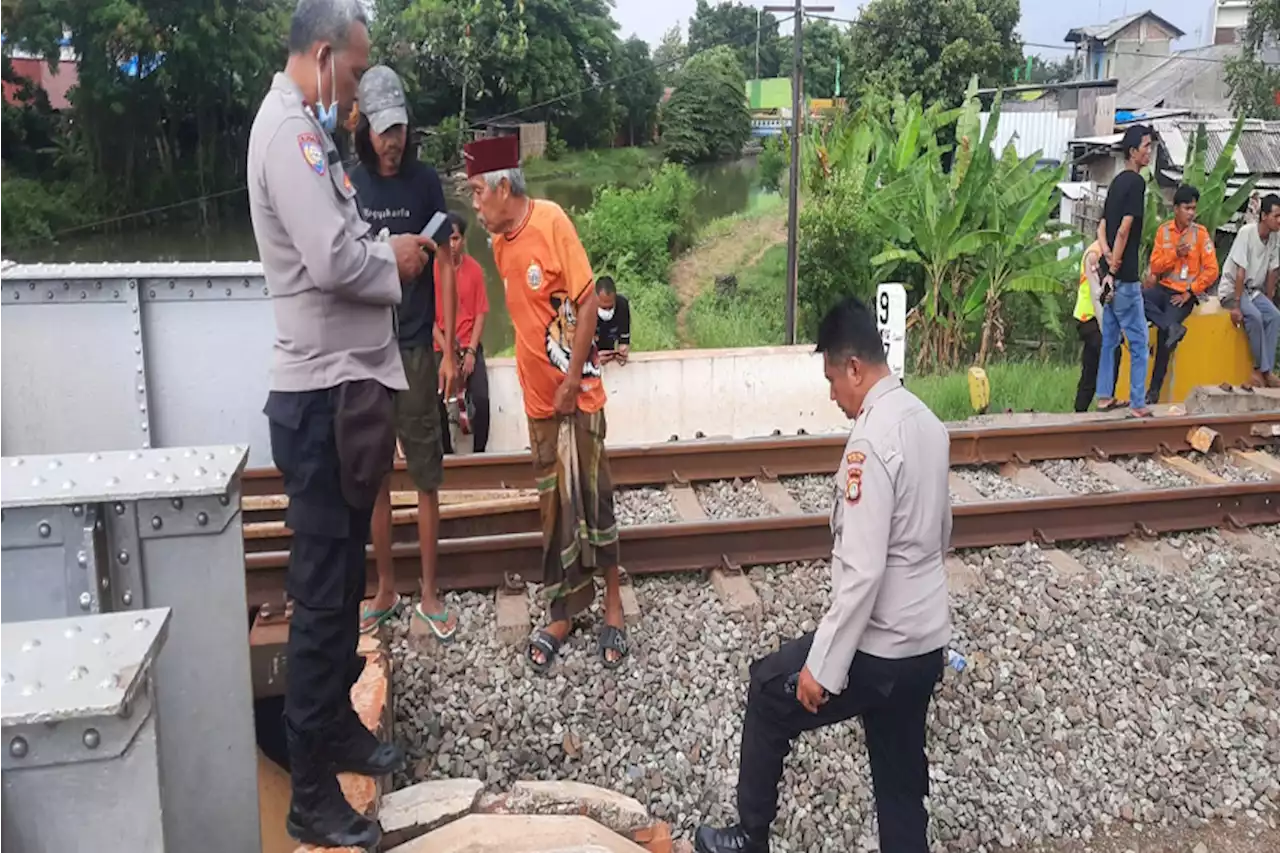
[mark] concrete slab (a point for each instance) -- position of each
(964, 492)
(1251, 544)
(618, 812)
(1208, 399)
(521, 834)
(686, 503)
(961, 577)
(1116, 476)
(1194, 470)
(1067, 566)
(513, 624)
(736, 592)
(1031, 478)
(777, 494)
(1160, 556)
(418, 809)
(1259, 461)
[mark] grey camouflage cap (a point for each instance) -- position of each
(381, 96)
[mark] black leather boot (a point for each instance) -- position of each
(732, 839)
(318, 813)
(355, 749)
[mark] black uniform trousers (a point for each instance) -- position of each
(326, 575)
(478, 397)
(892, 698)
(1091, 337)
(1164, 315)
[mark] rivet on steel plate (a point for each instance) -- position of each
(144, 426)
(14, 463)
(156, 522)
(95, 457)
(142, 407)
(92, 738)
(113, 481)
(100, 525)
(132, 285)
(135, 310)
(119, 508)
(127, 598)
(224, 500)
(152, 293)
(200, 472)
(82, 557)
(44, 530)
(146, 443)
(153, 475)
(77, 510)
(86, 601)
(31, 689)
(68, 485)
(31, 645)
(176, 503)
(101, 639)
(115, 294)
(77, 673)
(72, 632)
(18, 747)
(228, 291)
(55, 464)
(37, 481)
(134, 456)
(137, 350)
(202, 518)
(111, 682)
(49, 295)
(135, 330)
(171, 479)
(123, 557)
(83, 294)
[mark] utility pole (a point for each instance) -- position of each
(757, 44)
(793, 191)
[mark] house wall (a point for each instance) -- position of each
(1136, 50)
(56, 84)
(1226, 17)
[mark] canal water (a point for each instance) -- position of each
(724, 189)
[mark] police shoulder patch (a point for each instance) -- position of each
(853, 476)
(856, 457)
(312, 152)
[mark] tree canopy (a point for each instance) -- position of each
(735, 26)
(1254, 83)
(826, 50)
(707, 117)
(933, 47)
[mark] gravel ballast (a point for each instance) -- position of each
(1155, 474)
(1074, 476)
(1123, 694)
(1227, 469)
(991, 485)
(643, 506)
(726, 499)
(813, 492)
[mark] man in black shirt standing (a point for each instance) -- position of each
(613, 326)
(399, 194)
(1119, 235)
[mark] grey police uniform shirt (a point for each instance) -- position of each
(334, 288)
(891, 525)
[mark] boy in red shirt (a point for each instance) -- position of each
(473, 307)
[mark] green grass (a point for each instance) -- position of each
(760, 204)
(753, 317)
(1020, 386)
(598, 166)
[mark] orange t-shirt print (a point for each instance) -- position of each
(545, 272)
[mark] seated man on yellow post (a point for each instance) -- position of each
(1183, 265)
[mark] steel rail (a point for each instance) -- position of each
(715, 459)
(483, 562)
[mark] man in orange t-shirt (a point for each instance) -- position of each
(552, 302)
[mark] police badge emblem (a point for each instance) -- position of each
(534, 276)
(312, 152)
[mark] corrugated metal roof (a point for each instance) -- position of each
(1103, 32)
(1257, 152)
(1176, 80)
(1046, 132)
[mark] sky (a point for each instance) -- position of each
(1043, 21)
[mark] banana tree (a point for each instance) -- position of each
(1026, 258)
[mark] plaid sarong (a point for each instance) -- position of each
(575, 493)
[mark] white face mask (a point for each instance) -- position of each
(605, 314)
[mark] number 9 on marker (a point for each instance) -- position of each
(891, 318)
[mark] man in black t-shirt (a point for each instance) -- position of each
(1119, 235)
(399, 194)
(613, 323)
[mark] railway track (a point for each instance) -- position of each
(487, 542)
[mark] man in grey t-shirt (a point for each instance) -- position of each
(1248, 288)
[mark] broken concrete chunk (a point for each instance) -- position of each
(521, 834)
(420, 808)
(618, 812)
(1203, 439)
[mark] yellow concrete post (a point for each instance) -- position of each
(1214, 351)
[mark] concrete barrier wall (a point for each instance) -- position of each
(122, 356)
(732, 393)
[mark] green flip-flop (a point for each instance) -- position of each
(380, 617)
(436, 622)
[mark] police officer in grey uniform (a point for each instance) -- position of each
(334, 290)
(879, 650)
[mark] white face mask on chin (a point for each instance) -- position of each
(605, 314)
